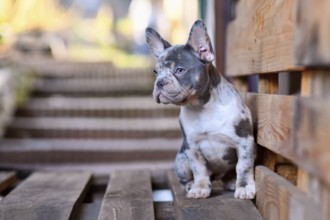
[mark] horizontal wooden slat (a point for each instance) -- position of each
(221, 205)
(128, 196)
(94, 128)
(68, 86)
(278, 199)
(260, 38)
(273, 119)
(311, 137)
(295, 128)
(7, 179)
(96, 168)
(50, 68)
(87, 151)
(97, 107)
(312, 33)
(45, 196)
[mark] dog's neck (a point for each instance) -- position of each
(217, 90)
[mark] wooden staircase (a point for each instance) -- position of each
(101, 121)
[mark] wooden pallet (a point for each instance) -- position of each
(286, 43)
(125, 195)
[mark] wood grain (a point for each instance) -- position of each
(7, 179)
(221, 205)
(260, 39)
(312, 33)
(128, 196)
(278, 199)
(45, 196)
(295, 128)
(311, 124)
(273, 118)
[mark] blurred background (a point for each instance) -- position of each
(92, 30)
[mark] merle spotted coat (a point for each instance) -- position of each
(216, 124)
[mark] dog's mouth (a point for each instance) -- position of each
(162, 97)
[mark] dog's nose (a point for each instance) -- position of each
(160, 84)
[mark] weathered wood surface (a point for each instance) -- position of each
(295, 128)
(128, 196)
(278, 199)
(164, 211)
(45, 196)
(312, 33)
(273, 119)
(260, 38)
(87, 150)
(66, 127)
(7, 179)
(123, 107)
(221, 205)
(312, 137)
(274, 36)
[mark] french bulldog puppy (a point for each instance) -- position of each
(216, 124)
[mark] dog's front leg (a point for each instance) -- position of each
(245, 185)
(201, 187)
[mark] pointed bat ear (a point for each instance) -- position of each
(156, 43)
(200, 42)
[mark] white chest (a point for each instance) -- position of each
(213, 122)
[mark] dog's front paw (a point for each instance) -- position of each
(247, 192)
(199, 190)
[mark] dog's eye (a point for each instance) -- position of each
(180, 70)
(155, 72)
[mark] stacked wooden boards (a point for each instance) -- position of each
(267, 38)
(124, 195)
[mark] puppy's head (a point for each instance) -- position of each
(181, 70)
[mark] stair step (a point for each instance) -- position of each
(97, 169)
(87, 151)
(65, 127)
(94, 87)
(124, 107)
(75, 69)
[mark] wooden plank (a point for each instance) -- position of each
(312, 33)
(45, 196)
(221, 205)
(87, 150)
(51, 69)
(128, 196)
(260, 39)
(66, 127)
(273, 119)
(315, 83)
(7, 179)
(295, 128)
(278, 199)
(164, 211)
(93, 85)
(123, 107)
(312, 137)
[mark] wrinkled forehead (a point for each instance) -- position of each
(177, 55)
